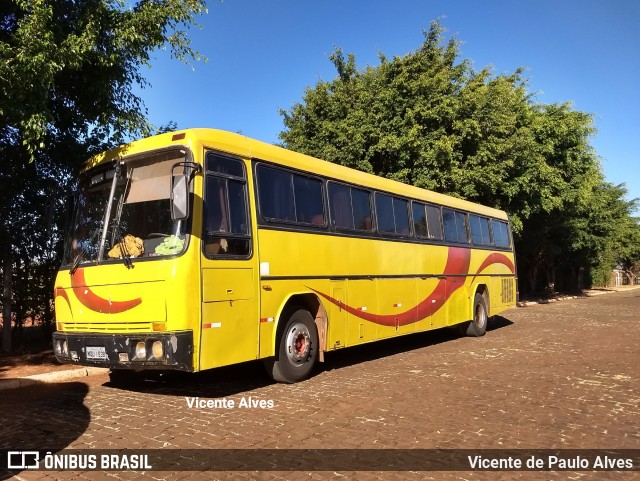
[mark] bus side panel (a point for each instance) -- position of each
(337, 316)
(495, 295)
(396, 300)
(361, 298)
(432, 297)
(459, 305)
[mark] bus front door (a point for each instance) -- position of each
(229, 314)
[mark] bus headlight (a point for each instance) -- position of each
(141, 350)
(58, 347)
(65, 349)
(157, 349)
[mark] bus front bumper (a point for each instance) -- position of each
(169, 350)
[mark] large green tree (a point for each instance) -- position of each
(431, 120)
(68, 74)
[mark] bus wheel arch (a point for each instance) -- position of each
(311, 303)
(477, 327)
(300, 339)
(483, 290)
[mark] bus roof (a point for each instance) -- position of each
(248, 148)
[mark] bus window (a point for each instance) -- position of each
(500, 233)
(384, 213)
(275, 194)
(226, 226)
(224, 165)
(401, 215)
(433, 221)
(288, 197)
(455, 229)
(340, 202)
(350, 208)
(360, 200)
(308, 197)
(479, 227)
(392, 214)
(419, 220)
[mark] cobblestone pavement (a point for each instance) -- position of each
(563, 375)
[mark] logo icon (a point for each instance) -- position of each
(23, 460)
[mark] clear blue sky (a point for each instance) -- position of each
(263, 53)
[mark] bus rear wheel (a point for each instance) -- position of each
(297, 348)
(478, 326)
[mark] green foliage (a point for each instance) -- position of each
(68, 70)
(71, 65)
(431, 120)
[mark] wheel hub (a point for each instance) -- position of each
(480, 317)
(298, 343)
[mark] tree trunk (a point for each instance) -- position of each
(7, 304)
(533, 278)
(581, 278)
(630, 275)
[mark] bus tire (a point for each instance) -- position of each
(478, 325)
(297, 348)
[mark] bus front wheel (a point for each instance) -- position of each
(297, 348)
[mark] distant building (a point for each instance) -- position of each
(620, 278)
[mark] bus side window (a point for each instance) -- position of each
(275, 190)
(479, 230)
(290, 198)
(308, 199)
(384, 213)
(433, 222)
(419, 219)
(500, 233)
(455, 229)
(341, 209)
(392, 214)
(350, 208)
(401, 216)
(226, 225)
(361, 204)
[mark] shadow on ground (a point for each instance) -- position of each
(498, 322)
(245, 377)
(42, 416)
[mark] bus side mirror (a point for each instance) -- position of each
(179, 197)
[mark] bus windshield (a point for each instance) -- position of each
(139, 223)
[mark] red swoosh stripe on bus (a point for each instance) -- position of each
(495, 258)
(90, 299)
(457, 261)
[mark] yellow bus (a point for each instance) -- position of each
(202, 248)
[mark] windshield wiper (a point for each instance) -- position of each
(117, 232)
(76, 262)
(126, 257)
(116, 222)
(107, 214)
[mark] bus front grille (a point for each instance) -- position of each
(107, 327)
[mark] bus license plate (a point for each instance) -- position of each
(97, 352)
